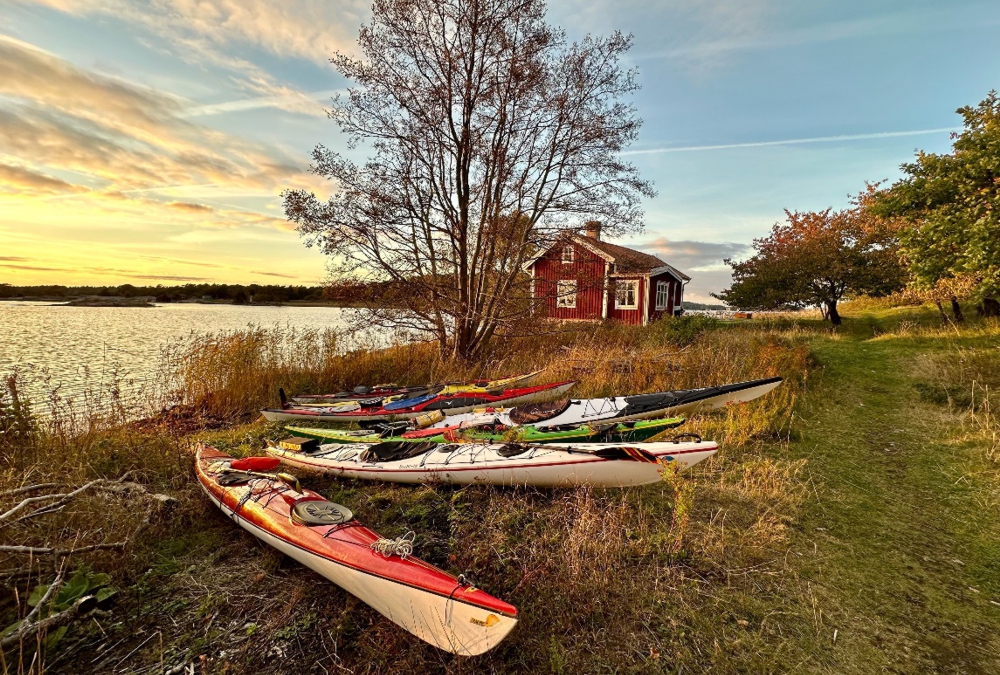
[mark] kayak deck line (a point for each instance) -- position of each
(596, 464)
(235, 516)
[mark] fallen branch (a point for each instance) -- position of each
(30, 488)
(81, 607)
(61, 499)
(37, 550)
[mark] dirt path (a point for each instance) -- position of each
(899, 554)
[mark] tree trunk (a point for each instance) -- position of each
(944, 317)
(991, 307)
(831, 306)
(956, 309)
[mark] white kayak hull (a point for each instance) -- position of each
(583, 411)
(444, 622)
(551, 465)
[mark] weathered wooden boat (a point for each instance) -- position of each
(552, 464)
(643, 406)
(636, 431)
(325, 537)
(408, 408)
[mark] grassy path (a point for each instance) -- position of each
(899, 555)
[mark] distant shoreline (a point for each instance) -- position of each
(122, 301)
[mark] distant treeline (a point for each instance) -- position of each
(235, 293)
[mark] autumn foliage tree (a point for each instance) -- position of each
(951, 207)
(488, 136)
(816, 259)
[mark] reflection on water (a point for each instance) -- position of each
(87, 347)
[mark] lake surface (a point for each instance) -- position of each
(81, 347)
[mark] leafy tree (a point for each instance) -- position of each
(489, 136)
(951, 205)
(815, 259)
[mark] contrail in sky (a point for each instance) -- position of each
(792, 141)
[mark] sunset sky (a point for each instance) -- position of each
(147, 142)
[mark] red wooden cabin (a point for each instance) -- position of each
(582, 278)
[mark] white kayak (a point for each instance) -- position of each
(552, 464)
(617, 408)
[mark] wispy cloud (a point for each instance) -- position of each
(725, 28)
(688, 255)
(305, 102)
(213, 32)
(793, 141)
(32, 268)
(122, 140)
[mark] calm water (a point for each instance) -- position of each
(81, 347)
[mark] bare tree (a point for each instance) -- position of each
(489, 136)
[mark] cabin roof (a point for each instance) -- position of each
(626, 260)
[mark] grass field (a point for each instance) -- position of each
(849, 524)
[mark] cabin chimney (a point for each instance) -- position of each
(593, 229)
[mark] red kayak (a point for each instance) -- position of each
(409, 408)
(428, 602)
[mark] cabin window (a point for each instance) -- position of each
(627, 294)
(567, 254)
(662, 294)
(566, 294)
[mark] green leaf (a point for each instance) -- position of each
(37, 594)
(98, 580)
(55, 636)
(73, 589)
(105, 592)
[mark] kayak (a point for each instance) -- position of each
(430, 603)
(459, 402)
(620, 408)
(632, 432)
(392, 390)
(554, 464)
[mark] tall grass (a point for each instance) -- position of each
(589, 569)
(967, 380)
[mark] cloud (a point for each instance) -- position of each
(13, 258)
(277, 274)
(126, 142)
(32, 268)
(163, 277)
(16, 179)
(294, 101)
(794, 141)
(292, 28)
(188, 206)
(716, 30)
(211, 32)
(690, 255)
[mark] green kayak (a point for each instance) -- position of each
(629, 432)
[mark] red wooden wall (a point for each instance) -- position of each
(588, 271)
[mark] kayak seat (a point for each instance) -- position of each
(394, 451)
(513, 450)
(537, 412)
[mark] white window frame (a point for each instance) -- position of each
(662, 290)
(621, 285)
(567, 259)
(566, 294)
